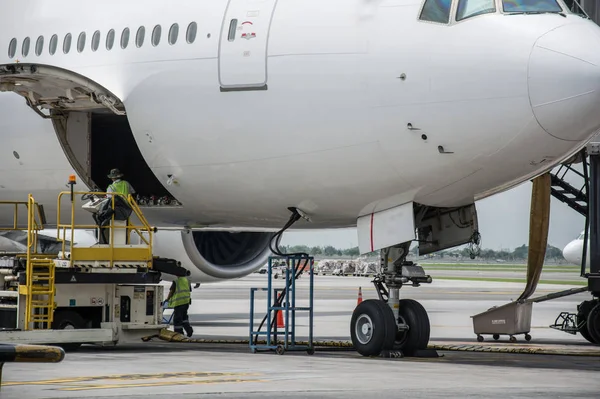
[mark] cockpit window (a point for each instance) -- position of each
(532, 6)
(471, 8)
(436, 11)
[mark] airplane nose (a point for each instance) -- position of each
(564, 81)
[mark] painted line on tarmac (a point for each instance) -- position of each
(525, 350)
(157, 384)
(590, 352)
(439, 346)
(125, 377)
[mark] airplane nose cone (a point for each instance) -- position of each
(564, 81)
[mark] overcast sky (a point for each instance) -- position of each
(503, 223)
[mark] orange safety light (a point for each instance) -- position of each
(72, 179)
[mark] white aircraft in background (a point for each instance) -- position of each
(573, 251)
(394, 116)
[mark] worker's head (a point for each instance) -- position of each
(115, 174)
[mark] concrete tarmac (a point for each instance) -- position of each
(223, 309)
(178, 370)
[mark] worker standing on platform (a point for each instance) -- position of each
(179, 299)
(118, 185)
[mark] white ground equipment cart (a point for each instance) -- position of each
(514, 318)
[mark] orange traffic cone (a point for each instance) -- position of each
(358, 302)
(280, 323)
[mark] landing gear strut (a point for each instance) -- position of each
(390, 323)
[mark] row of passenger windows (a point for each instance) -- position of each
(439, 10)
(140, 37)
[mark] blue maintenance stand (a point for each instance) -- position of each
(284, 300)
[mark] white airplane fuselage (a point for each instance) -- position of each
(340, 108)
(573, 251)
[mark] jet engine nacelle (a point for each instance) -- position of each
(214, 255)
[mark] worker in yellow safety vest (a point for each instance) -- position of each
(118, 185)
(179, 299)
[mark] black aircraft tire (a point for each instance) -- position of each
(593, 324)
(417, 337)
(372, 327)
(583, 310)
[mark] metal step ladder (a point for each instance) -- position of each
(40, 271)
(575, 198)
(40, 294)
(282, 307)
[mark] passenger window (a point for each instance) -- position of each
(12, 48)
(192, 30)
(436, 11)
(67, 43)
(173, 34)
(125, 38)
(110, 39)
(156, 34)
(25, 48)
(139, 38)
(96, 40)
(53, 44)
(471, 8)
(39, 46)
(81, 42)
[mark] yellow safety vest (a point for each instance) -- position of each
(182, 294)
(120, 186)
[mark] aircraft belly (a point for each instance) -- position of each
(333, 184)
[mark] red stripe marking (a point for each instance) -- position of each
(372, 246)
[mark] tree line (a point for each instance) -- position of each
(519, 253)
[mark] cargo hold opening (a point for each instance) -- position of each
(113, 146)
(98, 141)
(91, 125)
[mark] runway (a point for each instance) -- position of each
(179, 370)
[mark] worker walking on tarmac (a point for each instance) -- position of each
(180, 299)
(118, 185)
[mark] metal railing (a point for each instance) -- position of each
(24, 226)
(113, 253)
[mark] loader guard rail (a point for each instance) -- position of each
(39, 217)
(142, 231)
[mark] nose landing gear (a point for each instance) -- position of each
(389, 323)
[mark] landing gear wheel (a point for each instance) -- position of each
(496, 337)
(479, 338)
(65, 320)
(310, 351)
(372, 327)
(527, 337)
(583, 311)
(513, 339)
(280, 350)
(416, 338)
(593, 324)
